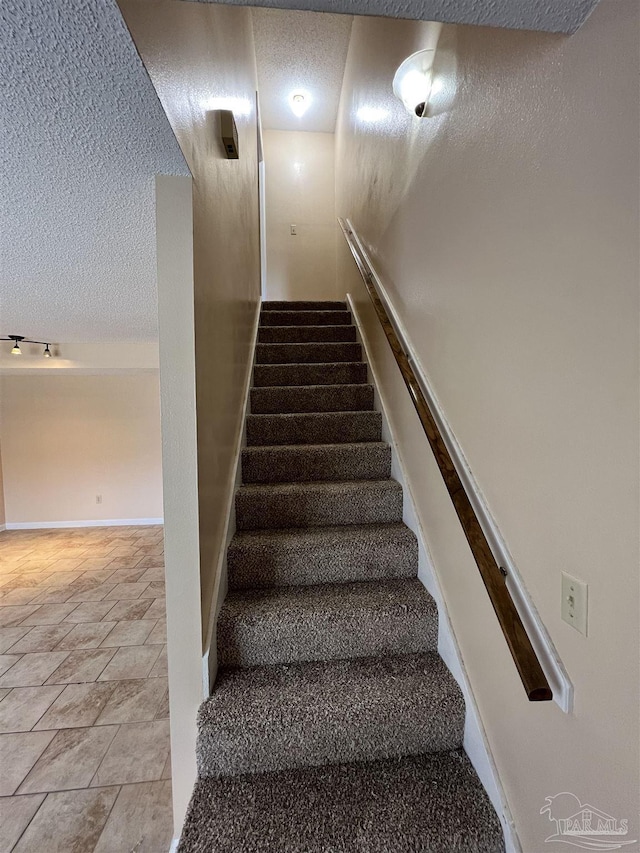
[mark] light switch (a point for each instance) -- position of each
(294, 230)
(574, 602)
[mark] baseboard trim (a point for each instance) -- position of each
(3, 527)
(100, 522)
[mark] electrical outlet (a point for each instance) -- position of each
(574, 602)
(294, 230)
(98, 499)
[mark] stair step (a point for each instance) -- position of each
(308, 353)
(327, 622)
(282, 505)
(314, 428)
(270, 558)
(431, 803)
(305, 318)
(303, 306)
(269, 718)
(291, 463)
(342, 373)
(312, 398)
(303, 334)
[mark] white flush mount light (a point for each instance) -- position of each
(413, 81)
(299, 103)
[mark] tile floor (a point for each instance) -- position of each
(84, 707)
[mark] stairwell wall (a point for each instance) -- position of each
(300, 191)
(201, 59)
(505, 230)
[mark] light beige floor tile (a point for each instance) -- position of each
(19, 595)
(133, 701)
(49, 614)
(4, 691)
(87, 635)
(53, 595)
(124, 611)
(152, 561)
(160, 666)
(93, 564)
(129, 662)
(140, 820)
(14, 614)
(78, 706)
(81, 665)
(163, 708)
(156, 574)
(15, 814)
(126, 575)
(137, 754)
(42, 638)
(123, 591)
(157, 610)
(166, 771)
(70, 760)
(18, 754)
(133, 633)
(62, 579)
(158, 635)
(154, 590)
(7, 661)
(89, 611)
(21, 709)
(68, 822)
(96, 593)
(32, 670)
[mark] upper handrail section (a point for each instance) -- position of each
(524, 656)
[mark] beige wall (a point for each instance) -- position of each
(66, 439)
(2, 508)
(300, 190)
(200, 58)
(506, 230)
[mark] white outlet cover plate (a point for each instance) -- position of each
(575, 599)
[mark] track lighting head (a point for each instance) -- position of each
(18, 339)
(47, 352)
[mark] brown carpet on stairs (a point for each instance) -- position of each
(334, 725)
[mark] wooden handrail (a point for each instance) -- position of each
(524, 656)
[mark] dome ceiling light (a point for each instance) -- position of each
(413, 82)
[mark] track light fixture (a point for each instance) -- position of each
(18, 339)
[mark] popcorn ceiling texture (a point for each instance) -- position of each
(83, 135)
(560, 17)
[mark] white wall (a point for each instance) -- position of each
(506, 231)
(300, 190)
(67, 438)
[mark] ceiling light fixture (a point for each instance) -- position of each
(299, 103)
(413, 81)
(18, 339)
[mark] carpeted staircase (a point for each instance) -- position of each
(334, 725)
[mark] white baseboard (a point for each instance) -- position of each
(100, 522)
(174, 845)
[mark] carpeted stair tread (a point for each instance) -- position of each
(307, 353)
(313, 555)
(291, 463)
(326, 622)
(341, 317)
(268, 718)
(346, 372)
(302, 334)
(420, 804)
(279, 505)
(313, 428)
(285, 399)
(305, 305)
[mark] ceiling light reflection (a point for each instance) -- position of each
(372, 114)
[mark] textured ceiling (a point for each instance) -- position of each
(300, 51)
(555, 16)
(82, 136)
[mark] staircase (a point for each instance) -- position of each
(334, 725)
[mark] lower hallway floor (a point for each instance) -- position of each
(84, 705)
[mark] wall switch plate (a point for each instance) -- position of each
(574, 602)
(98, 499)
(294, 230)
